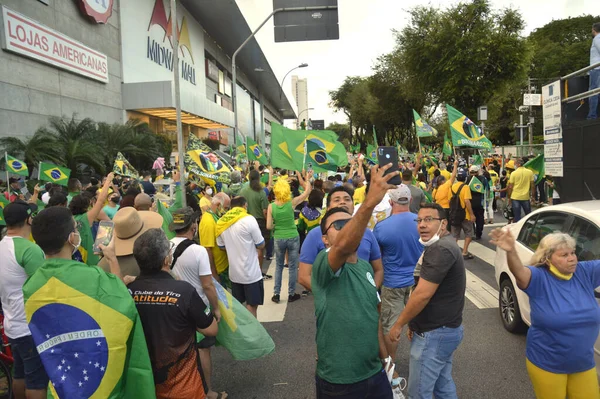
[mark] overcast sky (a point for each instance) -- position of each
(365, 34)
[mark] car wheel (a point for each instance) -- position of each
(509, 308)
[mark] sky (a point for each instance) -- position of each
(365, 34)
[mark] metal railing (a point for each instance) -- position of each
(583, 95)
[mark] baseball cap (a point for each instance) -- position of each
(182, 218)
(400, 195)
(18, 211)
(461, 174)
(474, 168)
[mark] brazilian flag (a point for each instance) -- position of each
(464, 132)
(322, 150)
(88, 333)
(371, 154)
(281, 156)
(423, 128)
(15, 166)
(255, 152)
(3, 203)
(241, 147)
(54, 174)
(537, 166)
(123, 167)
(476, 185)
(447, 146)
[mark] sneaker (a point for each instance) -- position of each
(305, 293)
(275, 298)
(292, 298)
(269, 258)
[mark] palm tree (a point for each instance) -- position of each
(32, 150)
(76, 142)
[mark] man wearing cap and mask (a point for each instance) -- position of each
(14, 189)
(20, 259)
(129, 225)
(191, 263)
(400, 251)
(434, 309)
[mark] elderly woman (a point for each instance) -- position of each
(280, 219)
(565, 317)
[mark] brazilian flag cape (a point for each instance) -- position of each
(88, 333)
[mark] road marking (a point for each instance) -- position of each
(271, 311)
(481, 251)
(480, 293)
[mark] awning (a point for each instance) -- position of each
(186, 117)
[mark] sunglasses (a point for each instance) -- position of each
(338, 225)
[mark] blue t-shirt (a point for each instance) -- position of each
(565, 319)
(398, 239)
(313, 244)
(110, 211)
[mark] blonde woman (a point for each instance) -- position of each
(565, 317)
(280, 219)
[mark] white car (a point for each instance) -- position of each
(581, 220)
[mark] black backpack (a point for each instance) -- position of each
(457, 212)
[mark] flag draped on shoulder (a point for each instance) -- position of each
(123, 167)
(538, 166)
(87, 332)
(16, 166)
(423, 128)
(464, 132)
(203, 162)
(255, 152)
(476, 185)
(54, 174)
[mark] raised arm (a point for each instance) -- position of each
(307, 188)
(95, 211)
(505, 240)
(454, 172)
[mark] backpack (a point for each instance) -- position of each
(181, 247)
(457, 212)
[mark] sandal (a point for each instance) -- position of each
(468, 255)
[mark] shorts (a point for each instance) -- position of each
(393, 301)
(262, 225)
(467, 227)
(253, 294)
(28, 364)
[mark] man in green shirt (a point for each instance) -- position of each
(346, 302)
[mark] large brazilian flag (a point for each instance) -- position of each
(87, 332)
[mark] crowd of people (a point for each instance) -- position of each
(377, 258)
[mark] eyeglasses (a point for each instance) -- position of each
(427, 219)
(338, 225)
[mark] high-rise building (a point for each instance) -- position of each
(300, 93)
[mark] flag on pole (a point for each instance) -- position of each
(255, 152)
(375, 143)
(464, 132)
(123, 167)
(54, 174)
(371, 154)
(202, 161)
(241, 147)
(15, 166)
(476, 185)
(447, 145)
(538, 166)
(281, 156)
(355, 148)
(477, 159)
(423, 128)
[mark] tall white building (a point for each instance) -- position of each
(300, 93)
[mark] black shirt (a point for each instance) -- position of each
(171, 311)
(148, 187)
(443, 265)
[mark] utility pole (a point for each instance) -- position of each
(175, 39)
(530, 124)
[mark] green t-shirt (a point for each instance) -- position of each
(283, 219)
(257, 202)
(347, 321)
(87, 240)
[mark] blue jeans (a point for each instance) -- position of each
(270, 246)
(517, 206)
(430, 368)
(376, 387)
(594, 84)
(292, 246)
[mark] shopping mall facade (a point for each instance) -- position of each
(112, 60)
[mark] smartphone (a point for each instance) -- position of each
(387, 155)
(104, 235)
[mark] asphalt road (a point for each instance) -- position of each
(489, 364)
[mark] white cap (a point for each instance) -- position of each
(474, 168)
(400, 195)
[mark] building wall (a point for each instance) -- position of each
(32, 91)
(300, 93)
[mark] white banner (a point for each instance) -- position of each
(27, 37)
(553, 148)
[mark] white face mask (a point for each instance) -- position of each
(75, 247)
(209, 191)
(432, 240)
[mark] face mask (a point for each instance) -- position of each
(209, 191)
(75, 246)
(433, 239)
(558, 274)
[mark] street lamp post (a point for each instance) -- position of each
(300, 114)
(303, 65)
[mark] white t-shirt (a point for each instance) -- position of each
(382, 211)
(192, 264)
(19, 259)
(240, 241)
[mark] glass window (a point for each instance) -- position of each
(546, 223)
(587, 237)
(526, 229)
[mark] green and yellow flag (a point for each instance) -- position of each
(464, 132)
(281, 156)
(87, 332)
(201, 161)
(3, 203)
(447, 145)
(423, 128)
(255, 152)
(477, 160)
(538, 166)
(15, 166)
(54, 174)
(241, 147)
(476, 185)
(123, 167)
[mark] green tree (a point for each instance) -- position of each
(343, 132)
(33, 150)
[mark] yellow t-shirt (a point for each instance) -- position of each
(440, 195)
(521, 180)
(204, 203)
(446, 174)
(208, 239)
(430, 172)
(465, 194)
(359, 195)
(494, 177)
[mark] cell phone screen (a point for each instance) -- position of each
(104, 235)
(387, 155)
